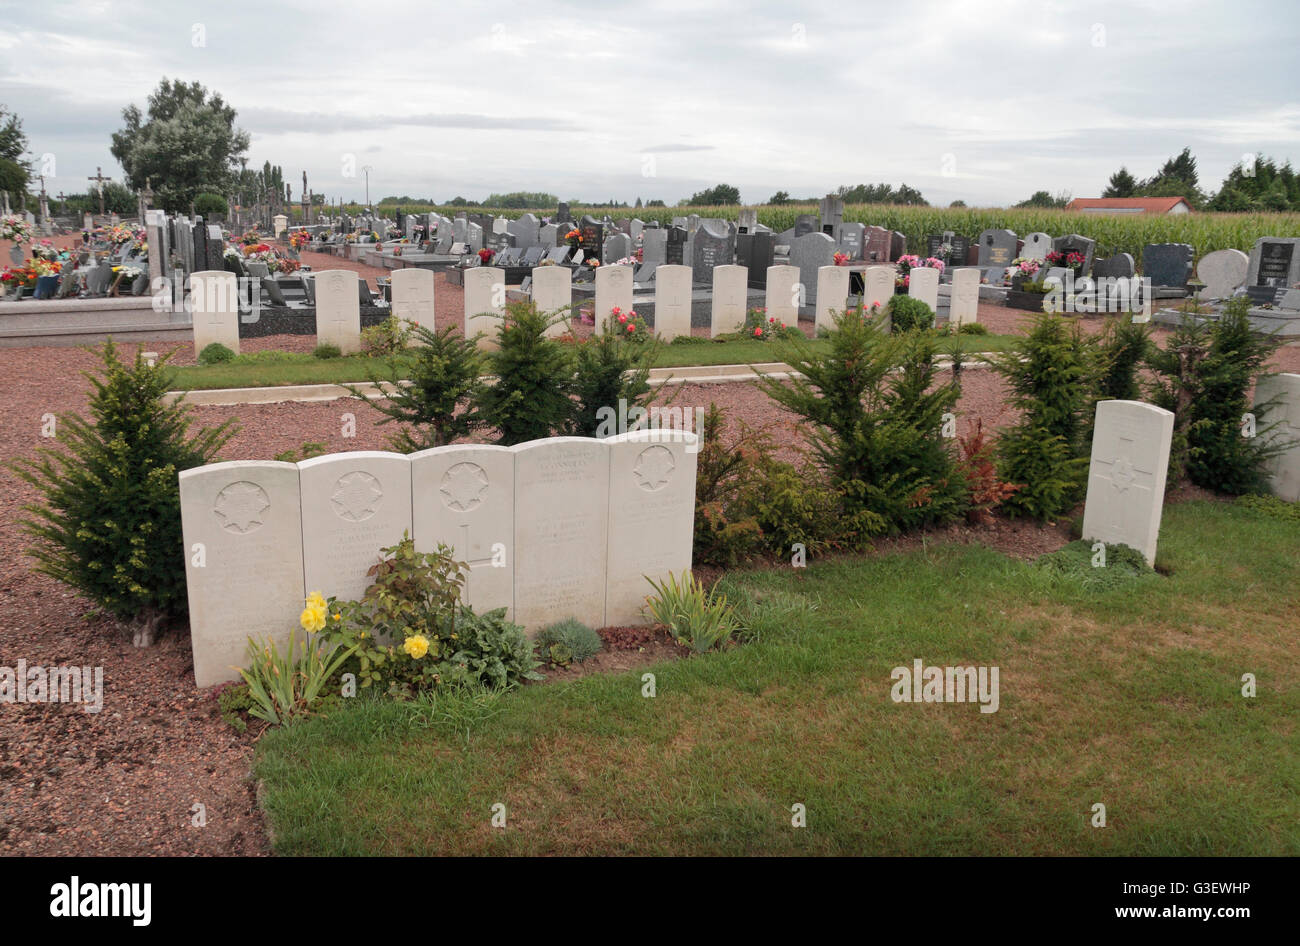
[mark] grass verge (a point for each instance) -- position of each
(1126, 694)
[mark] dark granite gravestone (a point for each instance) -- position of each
(710, 248)
(216, 248)
(1168, 264)
(675, 251)
(876, 244)
(996, 248)
(563, 212)
(591, 237)
(958, 248)
(1274, 268)
(756, 251)
(804, 223)
(199, 238)
(1074, 243)
(897, 245)
(1119, 266)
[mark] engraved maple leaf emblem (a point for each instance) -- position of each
(240, 507)
(654, 468)
(356, 496)
(463, 486)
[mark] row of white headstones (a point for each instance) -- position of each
(338, 310)
(555, 528)
(551, 529)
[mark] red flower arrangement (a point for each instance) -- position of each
(485, 256)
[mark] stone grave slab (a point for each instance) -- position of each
(1126, 476)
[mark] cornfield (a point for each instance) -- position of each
(1114, 233)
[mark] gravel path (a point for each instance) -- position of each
(125, 780)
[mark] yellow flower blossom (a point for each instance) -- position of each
(416, 646)
(312, 618)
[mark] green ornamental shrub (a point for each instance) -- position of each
(529, 399)
(215, 354)
(439, 404)
(907, 314)
(1204, 374)
(1050, 375)
(208, 204)
(109, 523)
(876, 413)
(568, 641)
(609, 371)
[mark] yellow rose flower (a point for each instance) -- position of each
(416, 646)
(315, 599)
(312, 618)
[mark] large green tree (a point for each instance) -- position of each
(185, 143)
(715, 196)
(1122, 184)
(14, 171)
(1259, 184)
(1177, 178)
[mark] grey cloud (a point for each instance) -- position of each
(278, 120)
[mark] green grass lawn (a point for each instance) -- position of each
(1129, 697)
(272, 369)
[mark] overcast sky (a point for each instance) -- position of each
(984, 102)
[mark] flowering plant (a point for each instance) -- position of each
(627, 261)
(15, 228)
(299, 238)
(910, 261)
(485, 256)
(572, 237)
(763, 327)
(593, 262)
(45, 267)
(18, 276)
(44, 250)
(251, 237)
(128, 272)
(1070, 259)
(630, 326)
(841, 259)
(1026, 267)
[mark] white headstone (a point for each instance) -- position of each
(651, 516)
(1037, 246)
(353, 505)
(1284, 469)
(1223, 272)
(672, 301)
(485, 303)
(413, 296)
(782, 297)
(730, 299)
(923, 284)
(215, 297)
(964, 303)
(878, 287)
(338, 310)
(279, 223)
(561, 529)
(241, 521)
(553, 294)
(832, 295)
(613, 290)
(1126, 477)
(464, 497)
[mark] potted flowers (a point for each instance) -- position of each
(485, 256)
(1068, 259)
(841, 259)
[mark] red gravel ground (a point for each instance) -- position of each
(125, 780)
